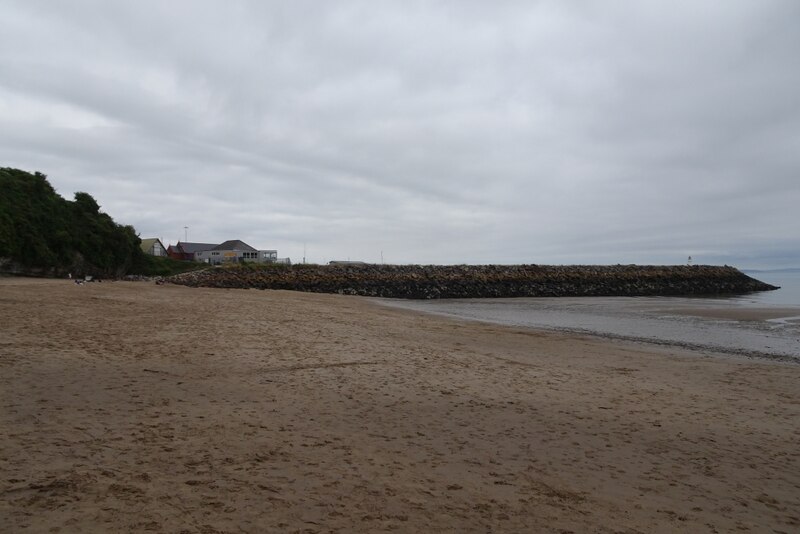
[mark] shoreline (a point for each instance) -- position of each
(133, 406)
(647, 321)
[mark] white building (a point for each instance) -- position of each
(234, 251)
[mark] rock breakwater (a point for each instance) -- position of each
(480, 281)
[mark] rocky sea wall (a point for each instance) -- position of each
(480, 281)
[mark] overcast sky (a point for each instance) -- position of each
(426, 132)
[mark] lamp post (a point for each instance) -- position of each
(185, 234)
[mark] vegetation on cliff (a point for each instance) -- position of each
(474, 281)
(42, 233)
(41, 230)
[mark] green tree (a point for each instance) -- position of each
(40, 229)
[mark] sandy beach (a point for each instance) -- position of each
(127, 406)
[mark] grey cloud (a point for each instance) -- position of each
(433, 131)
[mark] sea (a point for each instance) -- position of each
(764, 324)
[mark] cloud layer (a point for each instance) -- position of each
(428, 132)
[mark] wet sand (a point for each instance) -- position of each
(136, 407)
(738, 314)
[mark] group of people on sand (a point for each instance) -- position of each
(85, 279)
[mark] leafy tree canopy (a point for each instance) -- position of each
(40, 229)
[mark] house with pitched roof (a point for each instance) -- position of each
(233, 251)
(153, 246)
(187, 251)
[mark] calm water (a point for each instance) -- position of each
(787, 295)
(652, 319)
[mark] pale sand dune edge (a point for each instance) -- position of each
(131, 406)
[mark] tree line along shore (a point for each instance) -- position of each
(480, 281)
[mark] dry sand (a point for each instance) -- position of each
(134, 407)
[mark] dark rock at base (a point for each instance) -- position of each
(480, 281)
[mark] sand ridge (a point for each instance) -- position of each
(131, 406)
